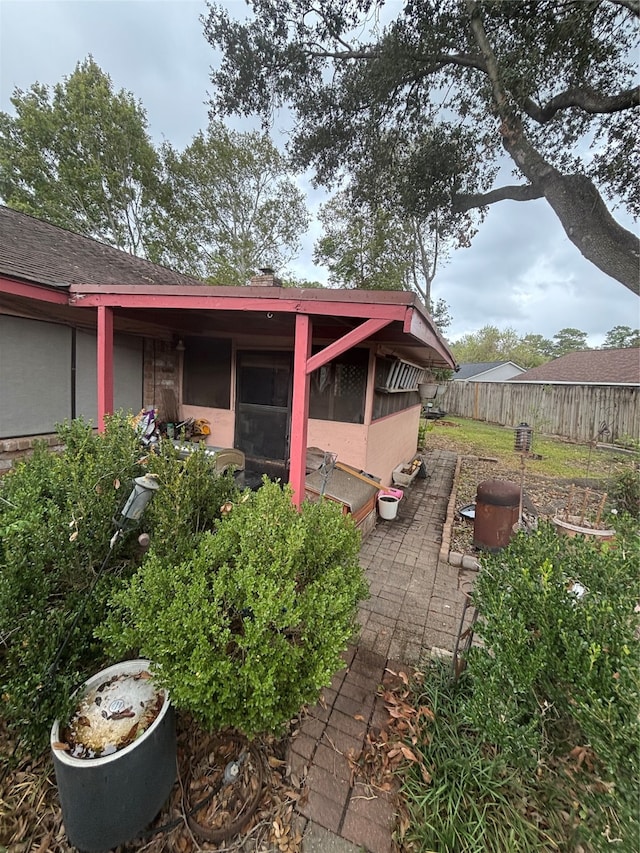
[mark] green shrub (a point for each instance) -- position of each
(558, 666)
(624, 492)
(535, 747)
(56, 522)
(250, 626)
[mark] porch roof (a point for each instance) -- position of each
(42, 264)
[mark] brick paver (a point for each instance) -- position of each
(415, 606)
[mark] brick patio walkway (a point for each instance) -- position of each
(414, 610)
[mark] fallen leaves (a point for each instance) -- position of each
(31, 818)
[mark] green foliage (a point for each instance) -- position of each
(55, 527)
(472, 800)
(621, 337)
(188, 502)
(56, 522)
(558, 665)
(624, 492)
(569, 340)
(231, 206)
(79, 156)
(421, 110)
(535, 746)
(373, 248)
(492, 344)
(251, 625)
(422, 433)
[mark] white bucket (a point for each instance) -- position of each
(388, 506)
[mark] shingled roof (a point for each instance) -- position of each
(598, 366)
(35, 251)
(476, 368)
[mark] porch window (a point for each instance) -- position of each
(391, 391)
(338, 388)
(206, 377)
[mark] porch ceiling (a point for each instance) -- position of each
(270, 312)
(277, 327)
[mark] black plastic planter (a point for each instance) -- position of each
(111, 799)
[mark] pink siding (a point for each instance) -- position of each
(349, 441)
(376, 449)
(392, 440)
(221, 421)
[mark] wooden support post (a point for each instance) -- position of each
(105, 364)
(300, 408)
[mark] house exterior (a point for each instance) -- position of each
(86, 329)
(487, 371)
(590, 367)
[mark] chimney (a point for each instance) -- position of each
(266, 278)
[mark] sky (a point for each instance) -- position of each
(521, 271)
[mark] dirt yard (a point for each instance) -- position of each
(543, 496)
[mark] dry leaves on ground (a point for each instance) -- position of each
(31, 818)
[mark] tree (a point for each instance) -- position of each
(79, 156)
(540, 347)
(362, 247)
(621, 337)
(292, 280)
(372, 248)
(231, 206)
(569, 340)
(491, 344)
(422, 110)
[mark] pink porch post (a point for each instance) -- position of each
(300, 408)
(105, 364)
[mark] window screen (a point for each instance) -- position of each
(35, 376)
(206, 376)
(338, 388)
(127, 374)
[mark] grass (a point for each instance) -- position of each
(562, 459)
(474, 801)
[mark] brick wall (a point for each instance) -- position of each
(12, 449)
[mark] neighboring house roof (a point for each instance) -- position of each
(34, 250)
(601, 366)
(475, 369)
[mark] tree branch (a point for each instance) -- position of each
(463, 203)
(574, 198)
(631, 5)
(343, 54)
(586, 99)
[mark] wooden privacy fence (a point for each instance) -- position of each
(577, 412)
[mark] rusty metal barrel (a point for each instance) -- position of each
(497, 509)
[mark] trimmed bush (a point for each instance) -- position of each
(56, 522)
(535, 747)
(250, 626)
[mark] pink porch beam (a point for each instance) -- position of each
(32, 291)
(417, 326)
(228, 302)
(346, 342)
(105, 365)
(300, 408)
